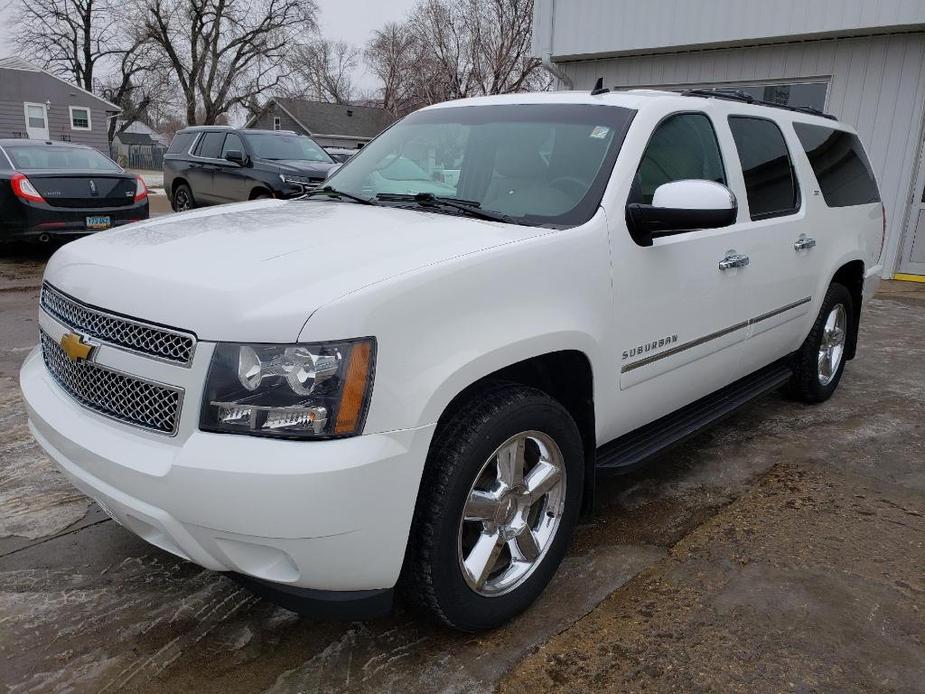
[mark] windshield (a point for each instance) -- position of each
(58, 157)
(540, 164)
(277, 147)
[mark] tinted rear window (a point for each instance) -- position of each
(47, 157)
(181, 143)
(770, 182)
(840, 165)
(211, 145)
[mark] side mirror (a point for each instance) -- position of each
(236, 156)
(681, 206)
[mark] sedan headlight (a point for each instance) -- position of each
(289, 391)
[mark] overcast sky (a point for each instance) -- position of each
(350, 20)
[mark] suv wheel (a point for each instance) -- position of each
(183, 198)
(820, 362)
(498, 503)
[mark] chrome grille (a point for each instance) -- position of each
(125, 398)
(153, 340)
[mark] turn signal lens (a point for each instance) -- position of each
(23, 188)
(356, 382)
(141, 189)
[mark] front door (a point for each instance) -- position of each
(912, 260)
(36, 121)
(680, 312)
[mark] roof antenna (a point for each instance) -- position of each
(599, 87)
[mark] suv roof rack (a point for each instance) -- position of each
(745, 97)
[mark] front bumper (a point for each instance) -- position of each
(320, 515)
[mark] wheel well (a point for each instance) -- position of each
(565, 376)
(851, 276)
(259, 191)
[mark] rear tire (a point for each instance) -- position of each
(486, 541)
(182, 199)
(820, 361)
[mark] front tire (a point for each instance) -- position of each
(499, 501)
(820, 362)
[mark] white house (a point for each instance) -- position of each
(861, 60)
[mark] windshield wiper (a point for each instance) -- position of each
(469, 207)
(330, 192)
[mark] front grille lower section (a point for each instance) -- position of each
(119, 396)
(162, 343)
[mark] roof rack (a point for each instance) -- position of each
(745, 97)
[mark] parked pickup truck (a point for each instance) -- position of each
(383, 386)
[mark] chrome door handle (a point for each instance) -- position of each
(732, 261)
(804, 243)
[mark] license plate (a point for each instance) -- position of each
(98, 222)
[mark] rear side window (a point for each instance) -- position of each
(181, 143)
(770, 182)
(840, 164)
(211, 145)
(683, 146)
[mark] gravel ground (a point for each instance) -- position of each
(781, 550)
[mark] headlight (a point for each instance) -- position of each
(290, 391)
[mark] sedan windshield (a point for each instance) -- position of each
(58, 157)
(536, 164)
(279, 147)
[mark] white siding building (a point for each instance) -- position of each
(861, 60)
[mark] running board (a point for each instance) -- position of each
(629, 450)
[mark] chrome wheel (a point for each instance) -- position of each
(512, 513)
(832, 346)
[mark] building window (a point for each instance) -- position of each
(770, 183)
(276, 122)
(798, 94)
(80, 118)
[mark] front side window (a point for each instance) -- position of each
(770, 182)
(682, 147)
(538, 164)
(80, 118)
(840, 164)
(284, 147)
(59, 157)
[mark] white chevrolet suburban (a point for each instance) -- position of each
(408, 379)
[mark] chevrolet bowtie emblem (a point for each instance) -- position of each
(74, 347)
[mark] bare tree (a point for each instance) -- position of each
(390, 57)
(452, 50)
(68, 37)
(224, 54)
(322, 70)
(140, 86)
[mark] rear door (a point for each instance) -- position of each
(203, 164)
(680, 320)
(776, 235)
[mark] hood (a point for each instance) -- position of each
(255, 271)
(300, 167)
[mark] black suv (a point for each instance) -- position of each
(209, 165)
